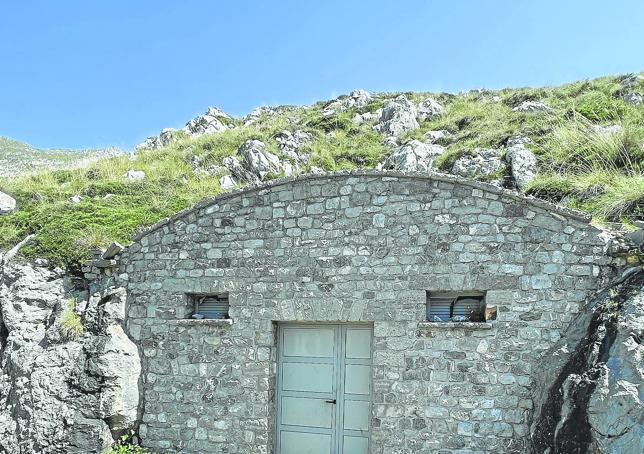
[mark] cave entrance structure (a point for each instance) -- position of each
(295, 315)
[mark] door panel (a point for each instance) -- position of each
(312, 377)
(324, 389)
(305, 443)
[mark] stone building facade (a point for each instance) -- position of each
(361, 249)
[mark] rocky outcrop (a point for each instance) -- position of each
(415, 156)
(429, 108)
(213, 121)
(7, 203)
(435, 136)
(291, 144)
(68, 372)
(398, 116)
(636, 99)
(523, 163)
(256, 163)
(357, 98)
(532, 106)
(589, 388)
(482, 162)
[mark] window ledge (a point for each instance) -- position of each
(204, 321)
(455, 325)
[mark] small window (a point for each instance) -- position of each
(456, 307)
(214, 306)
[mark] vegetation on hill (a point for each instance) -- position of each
(580, 165)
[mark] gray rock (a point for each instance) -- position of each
(228, 182)
(76, 199)
(367, 117)
(135, 175)
(238, 172)
(606, 130)
(398, 116)
(257, 113)
(532, 106)
(631, 80)
(257, 160)
(635, 99)
(58, 394)
(523, 163)
(214, 120)
(291, 143)
(434, 136)
(414, 156)
(481, 163)
(167, 136)
(112, 251)
(429, 108)
(357, 98)
(7, 203)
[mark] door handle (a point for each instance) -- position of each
(330, 401)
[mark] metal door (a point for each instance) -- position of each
(323, 389)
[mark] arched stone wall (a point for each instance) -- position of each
(364, 247)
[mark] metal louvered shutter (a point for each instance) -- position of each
(465, 305)
(212, 306)
(444, 306)
(439, 305)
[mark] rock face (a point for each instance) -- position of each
(523, 163)
(62, 394)
(481, 163)
(357, 98)
(429, 108)
(291, 144)
(7, 203)
(636, 99)
(398, 116)
(596, 403)
(257, 160)
(214, 120)
(414, 156)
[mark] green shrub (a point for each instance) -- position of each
(126, 446)
(598, 106)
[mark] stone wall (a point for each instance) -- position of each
(357, 247)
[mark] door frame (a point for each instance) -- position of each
(339, 374)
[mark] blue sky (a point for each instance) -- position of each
(76, 74)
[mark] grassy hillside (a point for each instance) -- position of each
(580, 168)
(18, 157)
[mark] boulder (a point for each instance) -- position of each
(7, 203)
(238, 172)
(635, 99)
(482, 162)
(523, 163)
(398, 116)
(257, 113)
(606, 130)
(357, 98)
(228, 182)
(167, 136)
(214, 120)
(629, 81)
(434, 136)
(429, 108)
(291, 143)
(135, 175)
(76, 199)
(367, 117)
(257, 160)
(532, 106)
(414, 156)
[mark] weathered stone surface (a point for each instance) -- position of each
(434, 136)
(135, 175)
(367, 117)
(214, 120)
(414, 156)
(59, 394)
(358, 247)
(398, 116)
(228, 182)
(523, 163)
(636, 99)
(532, 106)
(291, 144)
(7, 203)
(588, 387)
(606, 130)
(480, 163)
(429, 108)
(357, 98)
(257, 160)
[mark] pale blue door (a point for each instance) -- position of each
(324, 389)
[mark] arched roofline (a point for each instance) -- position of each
(568, 213)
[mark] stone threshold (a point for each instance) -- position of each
(455, 325)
